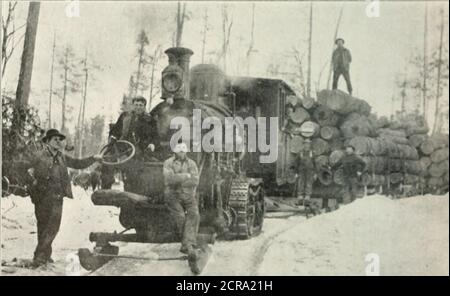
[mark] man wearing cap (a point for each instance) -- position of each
(139, 128)
(352, 167)
(341, 60)
(49, 184)
(181, 179)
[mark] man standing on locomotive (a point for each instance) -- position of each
(49, 184)
(137, 127)
(181, 179)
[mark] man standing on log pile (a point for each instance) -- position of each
(341, 64)
(352, 167)
(181, 179)
(49, 183)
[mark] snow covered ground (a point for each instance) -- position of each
(406, 237)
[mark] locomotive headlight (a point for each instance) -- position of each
(172, 82)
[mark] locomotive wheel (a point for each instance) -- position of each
(247, 204)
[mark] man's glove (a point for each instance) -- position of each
(151, 147)
(112, 140)
(359, 174)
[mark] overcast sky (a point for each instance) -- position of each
(380, 46)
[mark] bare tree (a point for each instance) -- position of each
(308, 79)
(51, 84)
(250, 49)
(204, 33)
(70, 80)
(181, 16)
(26, 66)
(143, 61)
(227, 25)
(439, 69)
(335, 36)
(9, 30)
(425, 64)
(154, 87)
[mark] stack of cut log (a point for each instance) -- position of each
(396, 152)
(435, 165)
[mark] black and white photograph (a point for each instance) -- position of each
(225, 138)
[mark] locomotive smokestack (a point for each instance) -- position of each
(180, 56)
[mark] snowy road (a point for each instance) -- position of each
(408, 236)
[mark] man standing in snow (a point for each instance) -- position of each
(181, 180)
(50, 183)
(305, 172)
(352, 167)
(341, 60)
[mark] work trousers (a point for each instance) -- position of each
(305, 183)
(350, 190)
(48, 211)
(346, 74)
(183, 208)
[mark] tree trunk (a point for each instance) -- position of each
(308, 78)
(205, 30)
(86, 77)
(438, 86)
(335, 36)
(26, 66)
(250, 48)
(63, 105)
(51, 84)
(180, 23)
(425, 64)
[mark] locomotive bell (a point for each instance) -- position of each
(175, 77)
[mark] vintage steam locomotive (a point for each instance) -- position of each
(231, 189)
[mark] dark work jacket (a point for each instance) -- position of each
(304, 161)
(351, 164)
(173, 171)
(142, 130)
(341, 59)
(50, 172)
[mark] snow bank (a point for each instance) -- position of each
(409, 236)
(80, 217)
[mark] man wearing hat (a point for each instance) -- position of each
(353, 167)
(341, 64)
(49, 184)
(181, 179)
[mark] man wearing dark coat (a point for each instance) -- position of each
(49, 184)
(139, 128)
(353, 167)
(341, 60)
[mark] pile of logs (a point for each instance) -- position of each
(396, 152)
